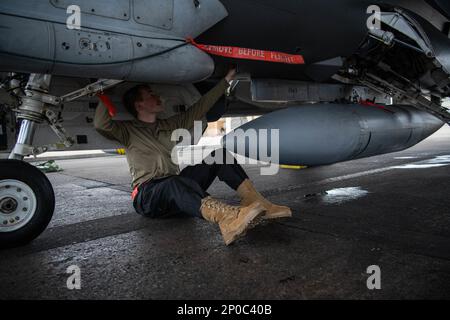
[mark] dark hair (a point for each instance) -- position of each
(131, 97)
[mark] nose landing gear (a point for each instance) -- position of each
(27, 199)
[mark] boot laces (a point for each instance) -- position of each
(219, 206)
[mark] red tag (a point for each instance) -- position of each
(108, 104)
(249, 54)
(134, 193)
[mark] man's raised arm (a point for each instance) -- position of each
(200, 108)
(107, 127)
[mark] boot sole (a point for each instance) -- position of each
(277, 215)
(255, 213)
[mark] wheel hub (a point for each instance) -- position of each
(17, 205)
(8, 205)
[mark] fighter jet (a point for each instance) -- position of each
(340, 79)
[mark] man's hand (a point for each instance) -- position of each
(231, 74)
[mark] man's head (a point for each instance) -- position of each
(141, 100)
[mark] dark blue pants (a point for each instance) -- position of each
(182, 194)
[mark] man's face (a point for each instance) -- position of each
(150, 102)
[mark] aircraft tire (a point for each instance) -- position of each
(27, 203)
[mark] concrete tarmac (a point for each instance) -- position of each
(392, 211)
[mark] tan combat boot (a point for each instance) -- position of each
(249, 194)
(233, 221)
